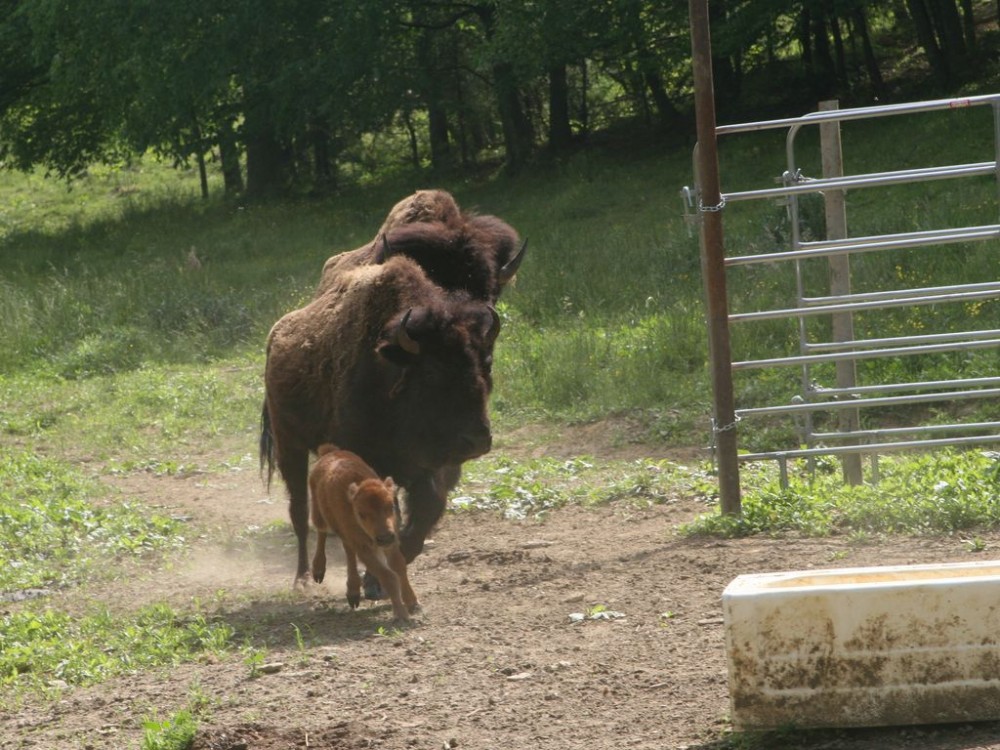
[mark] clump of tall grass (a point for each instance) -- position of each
(579, 367)
(949, 491)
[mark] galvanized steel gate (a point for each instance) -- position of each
(845, 397)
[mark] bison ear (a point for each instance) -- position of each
(352, 491)
(491, 328)
(384, 251)
(389, 484)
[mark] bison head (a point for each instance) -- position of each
(436, 365)
(480, 256)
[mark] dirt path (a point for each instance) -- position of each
(494, 661)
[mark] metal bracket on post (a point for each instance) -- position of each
(692, 218)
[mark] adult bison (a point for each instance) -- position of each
(457, 250)
(385, 363)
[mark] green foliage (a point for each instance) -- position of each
(53, 534)
(947, 492)
(530, 488)
(174, 733)
(313, 91)
(40, 646)
(148, 419)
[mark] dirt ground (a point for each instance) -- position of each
(494, 660)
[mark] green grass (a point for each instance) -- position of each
(53, 535)
(174, 733)
(945, 492)
(153, 417)
(530, 488)
(41, 646)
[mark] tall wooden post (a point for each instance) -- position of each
(840, 279)
(712, 261)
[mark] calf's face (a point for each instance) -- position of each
(374, 509)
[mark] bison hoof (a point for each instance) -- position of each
(319, 575)
(373, 589)
(354, 600)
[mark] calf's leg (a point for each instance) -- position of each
(319, 557)
(398, 564)
(353, 579)
(375, 564)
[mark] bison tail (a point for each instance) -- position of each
(266, 445)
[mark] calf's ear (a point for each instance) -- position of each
(389, 484)
(352, 491)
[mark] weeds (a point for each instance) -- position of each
(39, 649)
(950, 491)
(530, 488)
(53, 535)
(174, 733)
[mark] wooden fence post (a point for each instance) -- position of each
(840, 279)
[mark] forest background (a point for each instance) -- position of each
(313, 95)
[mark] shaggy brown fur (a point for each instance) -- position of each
(458, 251)
(391, 367)
(349, 500)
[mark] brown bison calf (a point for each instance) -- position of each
(349, 500)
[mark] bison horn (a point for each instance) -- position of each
(509, 268)
(403, 338)
(385, 252)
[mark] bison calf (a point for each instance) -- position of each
(349, 500)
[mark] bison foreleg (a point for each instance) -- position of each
(425, 501)
(294, 467)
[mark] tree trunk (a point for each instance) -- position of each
(950, 35)
(726, 78)
(560, 132)
(516, 128)
(202, 175)
(925, 37)
(229, 155)
(411, 133)
(838, 47)
(871, 62)
(969, 24)
(265, 164)
(666, 112)
(824, 68)
(584, 114)
(805, 39)
(437, 130)
(432, 84)
(199, 155)
(324, 169)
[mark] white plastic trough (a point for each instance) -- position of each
(852, 647)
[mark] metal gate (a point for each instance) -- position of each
(844, 400)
